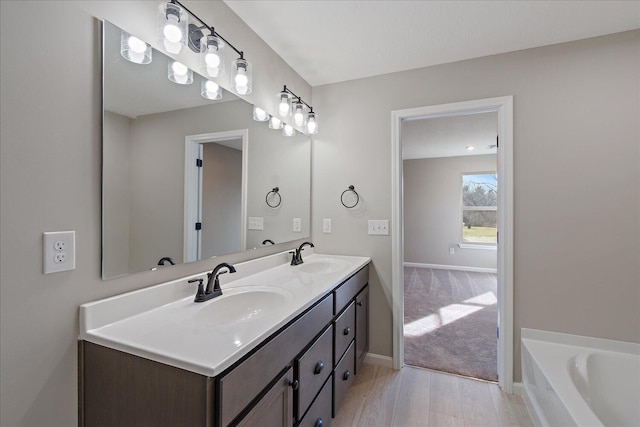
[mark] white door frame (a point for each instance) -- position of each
(503, 106)
(193, 184)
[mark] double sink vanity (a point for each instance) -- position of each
(280, 346)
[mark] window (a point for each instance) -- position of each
(480, 208)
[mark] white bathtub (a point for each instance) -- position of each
(570, 380)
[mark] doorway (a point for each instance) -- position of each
(450, 210)
(217, 193)
(503, 106)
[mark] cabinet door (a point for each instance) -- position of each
(275, 409)
(362, 326)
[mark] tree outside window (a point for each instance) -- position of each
(480, 208)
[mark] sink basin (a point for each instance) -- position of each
(322, 266)
(244, 304)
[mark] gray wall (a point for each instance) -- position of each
(432, 214)
(50, 169)
(577, 184)
(116, 157)
(221, 200)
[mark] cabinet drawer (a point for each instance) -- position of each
(243, 384)
(344, 331)
(345, 292)
(313, 368)
(319, 414)
(342, 378)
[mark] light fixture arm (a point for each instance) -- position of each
(286, 89)
(210, 28)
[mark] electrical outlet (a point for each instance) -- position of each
(452, 251)
(326, 225)
(58, 251)
(379, 227)
(297, 225)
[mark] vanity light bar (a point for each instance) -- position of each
(311, 123)
(242, 68)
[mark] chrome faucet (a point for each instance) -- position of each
(296, 259)
(213, 284)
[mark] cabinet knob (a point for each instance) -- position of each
(319, 367)
(359, 303)
(319, 423)
(294, 384)
(346, 331)
(346, 375)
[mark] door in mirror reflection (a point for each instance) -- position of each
(221, 199)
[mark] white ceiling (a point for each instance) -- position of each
(449, 136)
(339, 40)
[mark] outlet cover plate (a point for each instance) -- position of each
(58, 251)
(297, 225)
(326, 225)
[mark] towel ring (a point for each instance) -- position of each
(352, 190)
(272, 195)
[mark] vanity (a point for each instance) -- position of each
(281, 346)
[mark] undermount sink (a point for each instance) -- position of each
(322, 266)
(243, 304)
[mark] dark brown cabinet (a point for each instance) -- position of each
(297, 376)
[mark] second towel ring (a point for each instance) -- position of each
(272, 194)
(351, 189)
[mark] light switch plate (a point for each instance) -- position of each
(58, 251)
(256, 223)
(297, 225)
(326, 225)
(379, 227)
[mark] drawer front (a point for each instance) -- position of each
(362, 326)
(313, 368)
(345, 292)
(319, 414)
(342, 378)
(240, 386)
(344, 331)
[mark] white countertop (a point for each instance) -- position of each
(164, 324)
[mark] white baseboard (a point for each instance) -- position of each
(518, 389)
(452, 267)
(379, 360)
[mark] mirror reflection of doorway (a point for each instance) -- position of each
(220, 198)
(450, 241)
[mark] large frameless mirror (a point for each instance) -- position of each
(187, 178)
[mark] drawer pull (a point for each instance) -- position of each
(319, 423)
(359, 303)
(319, 367)
(294, 384)
(346, 375)
(346, 331)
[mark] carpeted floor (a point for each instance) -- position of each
(450, 321)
